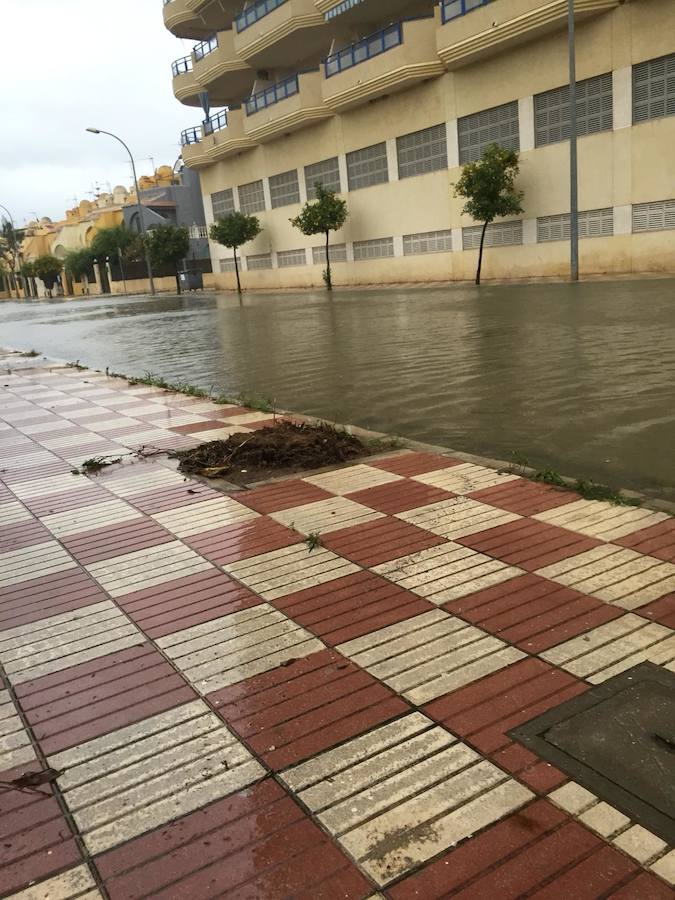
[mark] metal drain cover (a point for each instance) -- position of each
(618, 741)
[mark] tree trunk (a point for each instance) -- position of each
(480, 255)
(329, 279)
(236, 269)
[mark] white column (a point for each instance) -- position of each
(526, 122)
(275, 262)
(208, 209)
(457, 239)
(398, 245)
(235, 197)
(267, 193)
(529, 231)
(349, 246)
(344, 178)
(309, 256)
(623, 219)
(392, 159)
(453, 143)
(622, 97)
(302, 187)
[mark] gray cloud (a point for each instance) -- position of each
(73, 63)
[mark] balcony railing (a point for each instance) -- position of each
(198, 232)
(216, 123)
(367, 48)
(272, 95)
(180, 66)
(191, 136)
(254, 13)
(453, 9)
(205, 47)
(166, 2)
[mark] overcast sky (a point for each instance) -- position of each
(68, 64)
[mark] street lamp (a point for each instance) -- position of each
(138, 202)
(16, 253)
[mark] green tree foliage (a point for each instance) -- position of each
(327, 213)
(233, 231)
(488, 185)
(79, 263)
(168, 245)
(48, 268)
(110, 242)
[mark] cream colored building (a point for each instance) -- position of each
(385, 106)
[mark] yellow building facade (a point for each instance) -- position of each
(386, 107)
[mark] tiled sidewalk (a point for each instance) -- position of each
(234, 715)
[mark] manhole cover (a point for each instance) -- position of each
(618, 741)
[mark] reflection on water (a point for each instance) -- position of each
(579, 378)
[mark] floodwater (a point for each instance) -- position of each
(580, 378)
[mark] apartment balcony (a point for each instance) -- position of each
(469, 30)
(218, 70)
(185, 87)
(192, 147)
(390, 60)
(220, 136)
(369, 12)
(269, 33)
(285, 106)
(197, 19)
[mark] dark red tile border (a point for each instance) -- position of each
(380, 541)
(658, 540)
(51, 595)
(527, 498)
(410, 464)
(23, 534)
(242, 540)
(173, 497)
(283, 495)
(661, 610)
(115, 540)
(306, 707)
(399, 496)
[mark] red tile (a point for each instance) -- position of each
(84, 702)
(380, 541)
(116, 540)
(644, 887)
(29, 473)
(305, 707)
(527, 498)
(173, 497)
(529, 544)
(532, 612)
(591, 878)
(399, 496)
(242, 540)
(35, 839)
(659, 540)
(410, 464)
(21, 604)
(195, 427)
(257, 844)
(352, 606)
(661, 610)
(85, 495)
(23, 534)
(185, 602)
(282, 495)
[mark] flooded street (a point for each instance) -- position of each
(577, 378)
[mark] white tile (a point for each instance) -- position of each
(604, 819)
(352, 478)
(139, 479)
(639, 843)
(573, 798)
(457, 518)
(15, 744)
(146, 568)
(89, 518)
(34, 561)
(12, 512)
(465, 478)
(325, 516)
(200, 517)
(75, 884)
(43, 487)
(605, 521)
(665, 867)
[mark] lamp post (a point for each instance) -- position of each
(574, 185)
(138, 202)
(16, 253)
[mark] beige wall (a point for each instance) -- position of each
(628, 165)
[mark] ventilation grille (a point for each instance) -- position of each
(367, 167)
(594, 110)
(374, 249)
(423, 151)
(222, 203)
(326, 173)
(498, 234)
(288, 258)
(338, 253)
(427, 242)
(654, 89)
(592, 223)
(284, 189)
(252, 197)
(498, 125)
(657, 216)
(259, 261)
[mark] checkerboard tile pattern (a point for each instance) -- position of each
(167, 649)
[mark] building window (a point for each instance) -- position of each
(654, 89)
(259, 261)
(367, 167)
(656, 216)
(427, 242)
(421, 152)
(226, 265)
(252, 197)
(288, 258)
(498, 234)
(338, 253)
(374, 249)
(327, 173)
(498, 125)
(592, 223)
(222, 203)
(284, 189)
(594, 110)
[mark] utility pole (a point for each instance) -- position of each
(574, 168)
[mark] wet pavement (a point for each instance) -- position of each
(195, 703)
(580, 379)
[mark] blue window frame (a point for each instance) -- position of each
(453, 9)
(255, 12)
(366, 48)
(273, 94)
